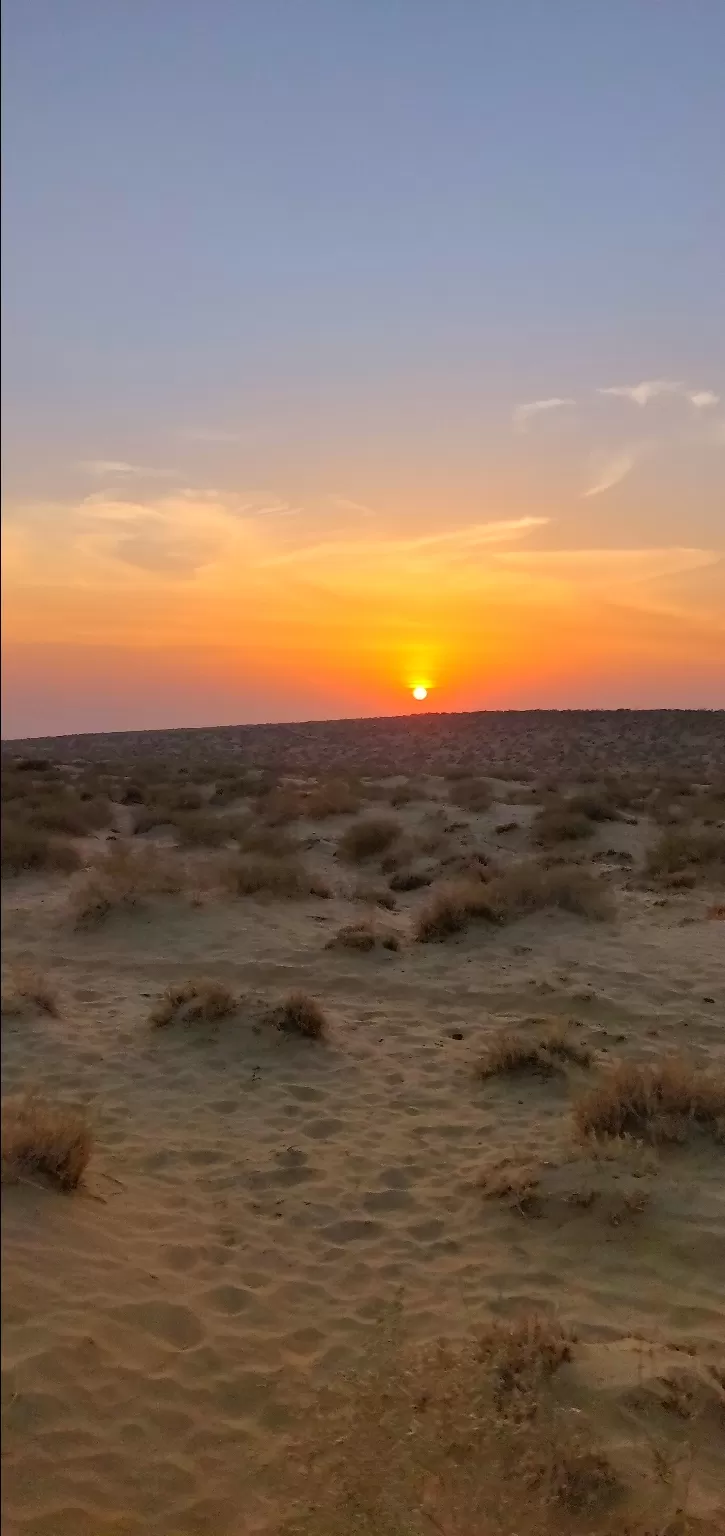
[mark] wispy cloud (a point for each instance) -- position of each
(112, 468)
(612, 470)
(454, 543)
(702, 399)
(523, 413)
(346, 505)
(652, 389)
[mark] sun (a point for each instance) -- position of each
(420, 693)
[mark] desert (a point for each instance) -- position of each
(358, 1075)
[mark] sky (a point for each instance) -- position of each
(349, 347)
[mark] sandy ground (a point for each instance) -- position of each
(255, 1200)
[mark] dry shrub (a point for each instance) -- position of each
(300, 1014)
(660, 1101)
(374, 895)
(463, 1440)
(368, 838)
(547, 1051)
(280, 806)
(66, 814)
(285, 878)
(472, 794)
(450, 908)
(687, 851)
(597, 804)
(363, 937)
(202, 829)
(525, 888)
(409, 880)
(123, 880)
(335, 798)
(560, 824)
(28, 990)
(193, 1001)
(45, 1139)
(25, 848)
(519, 890)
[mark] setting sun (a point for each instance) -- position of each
(420, 693)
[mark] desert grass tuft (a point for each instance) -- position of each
(286, 878)
(471, 794)
(560, 823)
(460, 1439)
(368, 838)
(659, 1101)
(300, 1014)
(122, 881)
(692, 851)
(516, 892)
(43, 1139)
(26, 849)
(551, 1049)
(26, 990)
(363, 937)
(193, 1001)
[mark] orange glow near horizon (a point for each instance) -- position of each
(184, 600)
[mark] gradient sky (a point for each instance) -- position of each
(353, 345)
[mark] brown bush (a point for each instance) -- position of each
(559, 824)
(517, 892)
(368, 838)
(689, 850)
(464, 1440)
(123, 880)
(300, 1014)
(449, 909)
(28, 990)
(471, 794)
(525, 888)
(284, 878)
(547, 1051)
(25, 849)
(193, 1001)
(362, 936)
(656, 1101)
(40, 1138)
(334, 798)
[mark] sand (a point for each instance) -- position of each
(256, 1200)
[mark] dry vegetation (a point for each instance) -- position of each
(547, 1048)
(516, 892)
(659, 1101)
(40, 1139)
(363, 937)
(466, 1440)
(122, 880)
(699, 852)
(194, 1001)
(27, 990)
(300, 1014)
(472, 794)
(368, 838)
(261, 874)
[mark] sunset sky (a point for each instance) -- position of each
(355, 344)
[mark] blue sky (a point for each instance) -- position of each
(312, 250)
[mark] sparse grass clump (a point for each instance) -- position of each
(334, 798)
(549, 1050)
(122, 881)
(28, 990)
(516, 892)
(560, 823)
(26, 848)
(525, 888)
(41, 1139)
(689, 850)
(450, 907)
(193, 1001)
(300, 1014)
(286, 878)
(471, 794)
(368, 838)
(461, 1439)
(660, 1101)
(363, 937)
